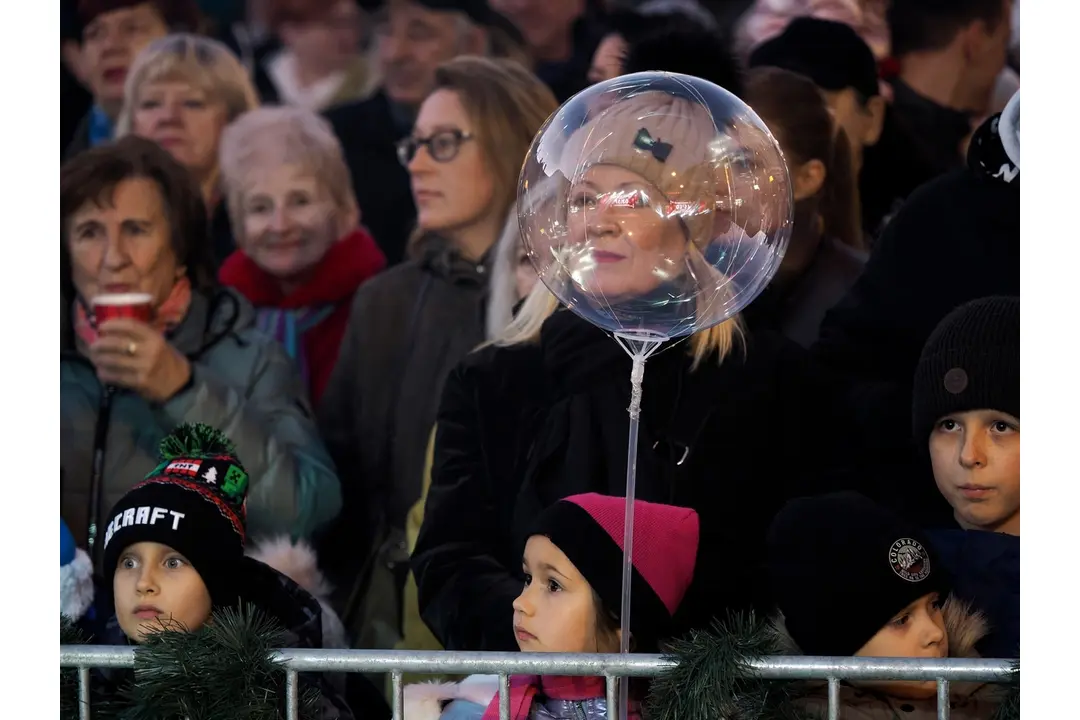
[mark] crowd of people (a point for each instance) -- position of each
(353, 405)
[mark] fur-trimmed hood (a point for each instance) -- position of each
(710, 680)
(298, 562)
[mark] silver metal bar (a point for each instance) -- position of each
(504, 697)
(292, 695)
(612, 686)
(943, 703)
(834, 698)
(399, 695)
(84, 693)
(507, 663)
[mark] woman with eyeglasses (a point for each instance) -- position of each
(412, 324)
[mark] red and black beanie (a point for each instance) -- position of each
(970, 362)
(194, 502)
(589, 530)
(842, 566)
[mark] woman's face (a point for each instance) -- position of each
(455, 191)
(327, 43)
(182, 119)
(623, 243)
(124, 246)
(290, 221)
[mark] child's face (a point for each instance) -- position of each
(976, 459)
(917, 631)
(155, 585)
(556, 612)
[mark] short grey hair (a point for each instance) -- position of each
(277, 136)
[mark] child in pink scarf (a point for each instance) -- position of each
(573, 591)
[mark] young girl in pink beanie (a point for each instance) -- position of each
(570, 604)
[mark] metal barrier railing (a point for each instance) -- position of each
(610, 667)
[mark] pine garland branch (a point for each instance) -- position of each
(222, 670)
(713, 676)
(1009, 709)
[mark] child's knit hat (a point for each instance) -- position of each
(842, 566)
(194, 502)
(970, 362)
(588, 529)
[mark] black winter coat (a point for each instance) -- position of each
(522, 427)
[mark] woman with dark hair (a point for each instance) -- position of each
(133, 223)
(827, 252)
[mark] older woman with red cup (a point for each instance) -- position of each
(149, 341)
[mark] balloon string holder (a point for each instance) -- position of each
(639, 346)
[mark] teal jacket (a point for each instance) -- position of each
(242, 383)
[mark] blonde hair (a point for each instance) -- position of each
(541, 304)
(506, 105)
(266, 138)
(204, 63)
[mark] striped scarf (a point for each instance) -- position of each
(288, 328)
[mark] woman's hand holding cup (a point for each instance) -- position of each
(132, 354)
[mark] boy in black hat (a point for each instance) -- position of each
(174, 554)
(850, 578)
(966, 419)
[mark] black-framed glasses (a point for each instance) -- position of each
(443, 146)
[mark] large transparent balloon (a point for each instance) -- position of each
(655, 205)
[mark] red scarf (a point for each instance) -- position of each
(319, 310)
(166, 316)
(525, 688)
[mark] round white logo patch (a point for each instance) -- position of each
(909, 560)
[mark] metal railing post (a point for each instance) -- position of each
(943, 705)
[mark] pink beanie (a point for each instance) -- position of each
(588, 529)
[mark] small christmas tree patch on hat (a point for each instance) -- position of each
(200, 453)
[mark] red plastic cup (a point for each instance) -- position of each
(137, 306)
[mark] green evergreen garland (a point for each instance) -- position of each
(223, 670)
(195, 440)
(1009, 709)
(712, 678)
(69, 677)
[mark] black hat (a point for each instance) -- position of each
(970, 362)
(830, 53)
(194, 502)
(842, 566)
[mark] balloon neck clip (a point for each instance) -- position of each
(639, 346)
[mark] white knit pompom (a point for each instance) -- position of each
(76, 586)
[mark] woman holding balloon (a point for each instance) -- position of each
(655, 207)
